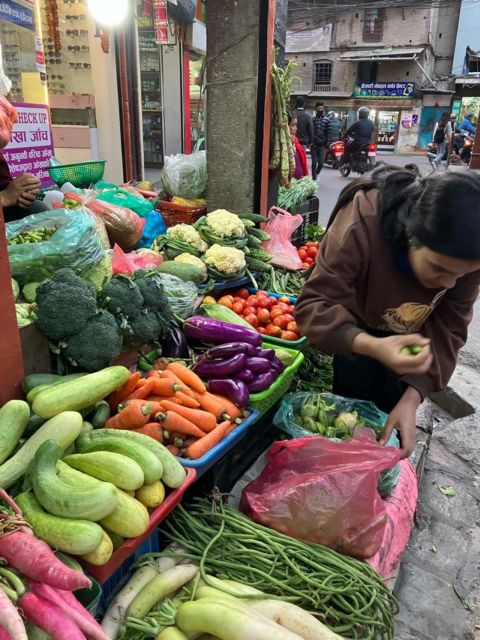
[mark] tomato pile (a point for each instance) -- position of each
(268, 315)
(307, 253)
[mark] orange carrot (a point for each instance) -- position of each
(125, 390)
(154, 398)
(212, 404)
(187, 376)
(142, 392)
(202, 446)
(173, 449)
(164, 387)
(232, 410)
(132, 416)
(169, 374)
(141, 382)
(202, 419)
(186, 400)
(172, 421)
(152, 429)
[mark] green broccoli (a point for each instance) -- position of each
(97, 344)
(145, 328)
(122, 297)
(65, 304)
(154, 296)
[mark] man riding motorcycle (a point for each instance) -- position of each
(361, 131)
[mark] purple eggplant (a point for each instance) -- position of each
(235, 390)
(210, 330)
(262, 382)
(259, 365)
(269, 354)
(246, 375)
(221, 368)
(231, 349)
(175, 344)
(277, 365)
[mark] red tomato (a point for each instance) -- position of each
(243, 293)
(272, 299)
(266, 302)
(274, 313)
(263, 316)
(248, 310)
(293, 326)
(284, 305)
(302, 254)
(281, 321)
(252, 301)
(289, 316)
(252, 319)
(262, 330)
(305, 265)
(312, 252)
(226, 302)
(272, 330)
(238, 307)
(309, 261)
(289, 335)
(304, 247)
(291, 309)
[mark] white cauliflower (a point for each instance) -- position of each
(187, 258)
(225, 224)
(227, 260)
(188, 234)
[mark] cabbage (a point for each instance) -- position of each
(182, 295)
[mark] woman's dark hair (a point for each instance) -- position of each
(290, 117)
(442, 123)
(441, 212)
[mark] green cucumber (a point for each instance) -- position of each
(72, 536)
(253, 217)
(81, 501)
(14, 417)
(100, 414)
(115, 442)
(68, 561)
(34, 423)
(80, 393)
(184, 271)
(37, 379)
(219, 312)
(33, 393)
(129, 520)
(118, 469)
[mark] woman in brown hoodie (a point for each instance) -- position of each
(399, 265)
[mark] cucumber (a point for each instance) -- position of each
(115, 442)
(173, 472)
(37, 379)
(71, 476)
(81, 501)
(101, 414)
(102, 554)
(14, 417)
(253, 217)
(68, 561)
(117, 540)
(64, 428)
(81, 393)
(259, 233)
(87, 427)
(34, 423)
(33, 393)
(184, 271)
(121, 471)
(129, 520)
(72, 536)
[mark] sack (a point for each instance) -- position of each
(285, 421)
(439, 136)
(75, 244)
(185, 175)
(128, 263)
(281, 225)
(322, 491)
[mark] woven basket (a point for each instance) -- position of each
(179, 213)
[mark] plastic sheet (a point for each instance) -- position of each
(323, 491)
(128, 263)
(123, 198)
(185, 175)
(281, 226)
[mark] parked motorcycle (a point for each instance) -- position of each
(334, 153)
(361, 160)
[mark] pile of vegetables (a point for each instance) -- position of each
(282, 157)
(282, 282)
(32, 237)
(290, 198)
(36, 588)
(318, 416)
(307, 253)
(316, 371)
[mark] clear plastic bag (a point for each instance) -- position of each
(372, 416)
(182, 296)
(128, 263)
(75, 244)
(281, 225)
(185, 175)
(123, 198)
(124, 227)
(323, 491)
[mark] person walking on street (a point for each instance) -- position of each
(442, 135)
(333, 128)
(467, 125)
(304, 123)
(319, 140)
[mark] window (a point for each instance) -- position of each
(322, 73)
(373, 25)
(367, 71)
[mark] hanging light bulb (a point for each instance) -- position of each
(108, 13)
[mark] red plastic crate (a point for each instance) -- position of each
(101, 574)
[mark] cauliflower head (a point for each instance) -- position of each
(187, 258)
(225, 224)
(227, 260)
(188, 234)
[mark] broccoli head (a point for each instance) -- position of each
(65, 304)
(145, 328)
(154, 296)
(97, 344)
(122, 297)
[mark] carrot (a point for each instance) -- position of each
(232, 410)
(174, 422)
(154, 398)
(49, 617)
(169, 374)
(202, 419)
(173, 449)
(202, 446)
(186, 400)
(152, 429)
(132, 416)
(125, 390)
(213, 404)
(164, 387)
(187, 376)
(142, 391)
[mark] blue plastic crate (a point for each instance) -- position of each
(222, 448)
(234, 284)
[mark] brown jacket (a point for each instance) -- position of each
(357, 285)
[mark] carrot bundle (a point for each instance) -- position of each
(174, 422)
(133, 416)
(202, 419)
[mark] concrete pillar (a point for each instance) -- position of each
(475, 159)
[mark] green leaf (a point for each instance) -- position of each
(447, 491)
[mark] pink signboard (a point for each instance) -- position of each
(31, 146)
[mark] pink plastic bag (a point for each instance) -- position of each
(128, 263)
(322, 491)
(281, 225)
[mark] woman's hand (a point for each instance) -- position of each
(22, 191)
(388, 351)
(404, 418)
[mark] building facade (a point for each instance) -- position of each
(397, 61)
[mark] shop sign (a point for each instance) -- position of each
(160, 21)
(312, 40)
(16, 14)
(456, 108)
(383, 89)
(31, 146)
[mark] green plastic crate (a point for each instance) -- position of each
(265, 400)
(81, 174)
(90, 598)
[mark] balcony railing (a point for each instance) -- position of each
(324, 88)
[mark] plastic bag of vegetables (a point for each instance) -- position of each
(181, 295)
(43, 243)
(185, 175)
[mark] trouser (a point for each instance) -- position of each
(319, 152)
(17, 213)
(441, 148)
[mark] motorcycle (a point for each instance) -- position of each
(466, 151)
(334, 153)
(461, 150)
(360, 160)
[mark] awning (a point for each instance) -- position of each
(468, 80)
(383, 54)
